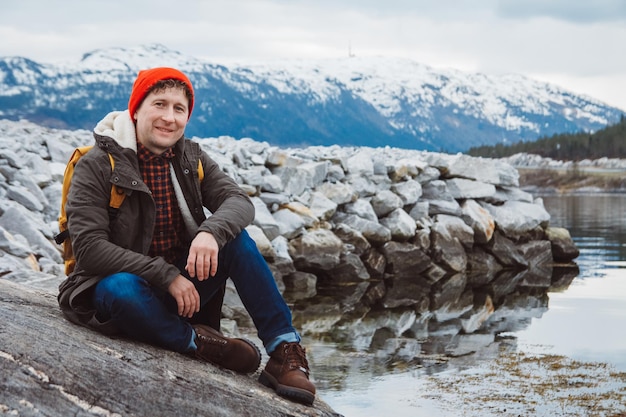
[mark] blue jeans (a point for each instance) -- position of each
(148, 314)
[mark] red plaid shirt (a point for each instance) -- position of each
(168, 223)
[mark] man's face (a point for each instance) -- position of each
(161, 119)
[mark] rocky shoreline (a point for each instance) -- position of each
(403, 251)
(540, 175)
(370, 228)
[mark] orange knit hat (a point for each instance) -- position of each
(146, 79)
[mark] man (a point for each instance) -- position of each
(151, 270)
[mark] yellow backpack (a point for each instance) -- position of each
(116, 200)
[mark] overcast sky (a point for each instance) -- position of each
(576, 44)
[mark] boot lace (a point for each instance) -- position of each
(295, 357)
(213, 340)
(210, 347)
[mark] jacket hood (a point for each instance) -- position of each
(119, 126)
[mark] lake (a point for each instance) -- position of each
(582, 318)
(586, 320)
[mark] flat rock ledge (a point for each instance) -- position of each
(51, 367)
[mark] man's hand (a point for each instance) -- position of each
(186, 296)
(202, 260)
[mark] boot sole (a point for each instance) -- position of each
(295, 394)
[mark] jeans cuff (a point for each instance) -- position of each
(192, 344)
(287, 337)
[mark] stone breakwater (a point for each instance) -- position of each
(370, 229)
(525, 160)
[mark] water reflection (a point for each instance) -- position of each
(458, 320)
(585, 322)
(597, 224)
(575, 310)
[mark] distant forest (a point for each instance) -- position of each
(609, 142)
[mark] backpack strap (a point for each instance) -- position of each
(200, 170)
(115, 201)
(117, 195)
(67, 176)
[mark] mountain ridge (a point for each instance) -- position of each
(347, 101)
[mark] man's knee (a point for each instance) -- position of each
(121, 285)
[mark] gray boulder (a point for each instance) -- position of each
(400, 224)
(58, 377)
(515, 218)
(316, 249)
(563, 247)
(385, 202)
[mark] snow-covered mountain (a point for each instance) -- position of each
(348, 101)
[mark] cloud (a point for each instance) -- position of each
(450, 9)
(566, 39)
(576, 11)
(606, 88)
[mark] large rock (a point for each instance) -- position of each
(447, 242)
(375, 262)
(321, 206)
(361, 208)
(405, 262)
(374, 232)
(461, 189)
(440, 201)
(350, 270)
(303, 177)
(516, 218)
(506, 252)
(480, 169)
(263, 218)
(19, 221)
(339, 193)
(480, 220)
(317, 249)
(262, 242)
(55, 368)
(409, 191)
(12, 246)
(540, 263)
(290, 224)
(385, 202)
(361, 162)
(400, 224)
(563, 247)
(405, 259)
(354, 241)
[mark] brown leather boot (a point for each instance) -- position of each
(238, 355)
(287, 372)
